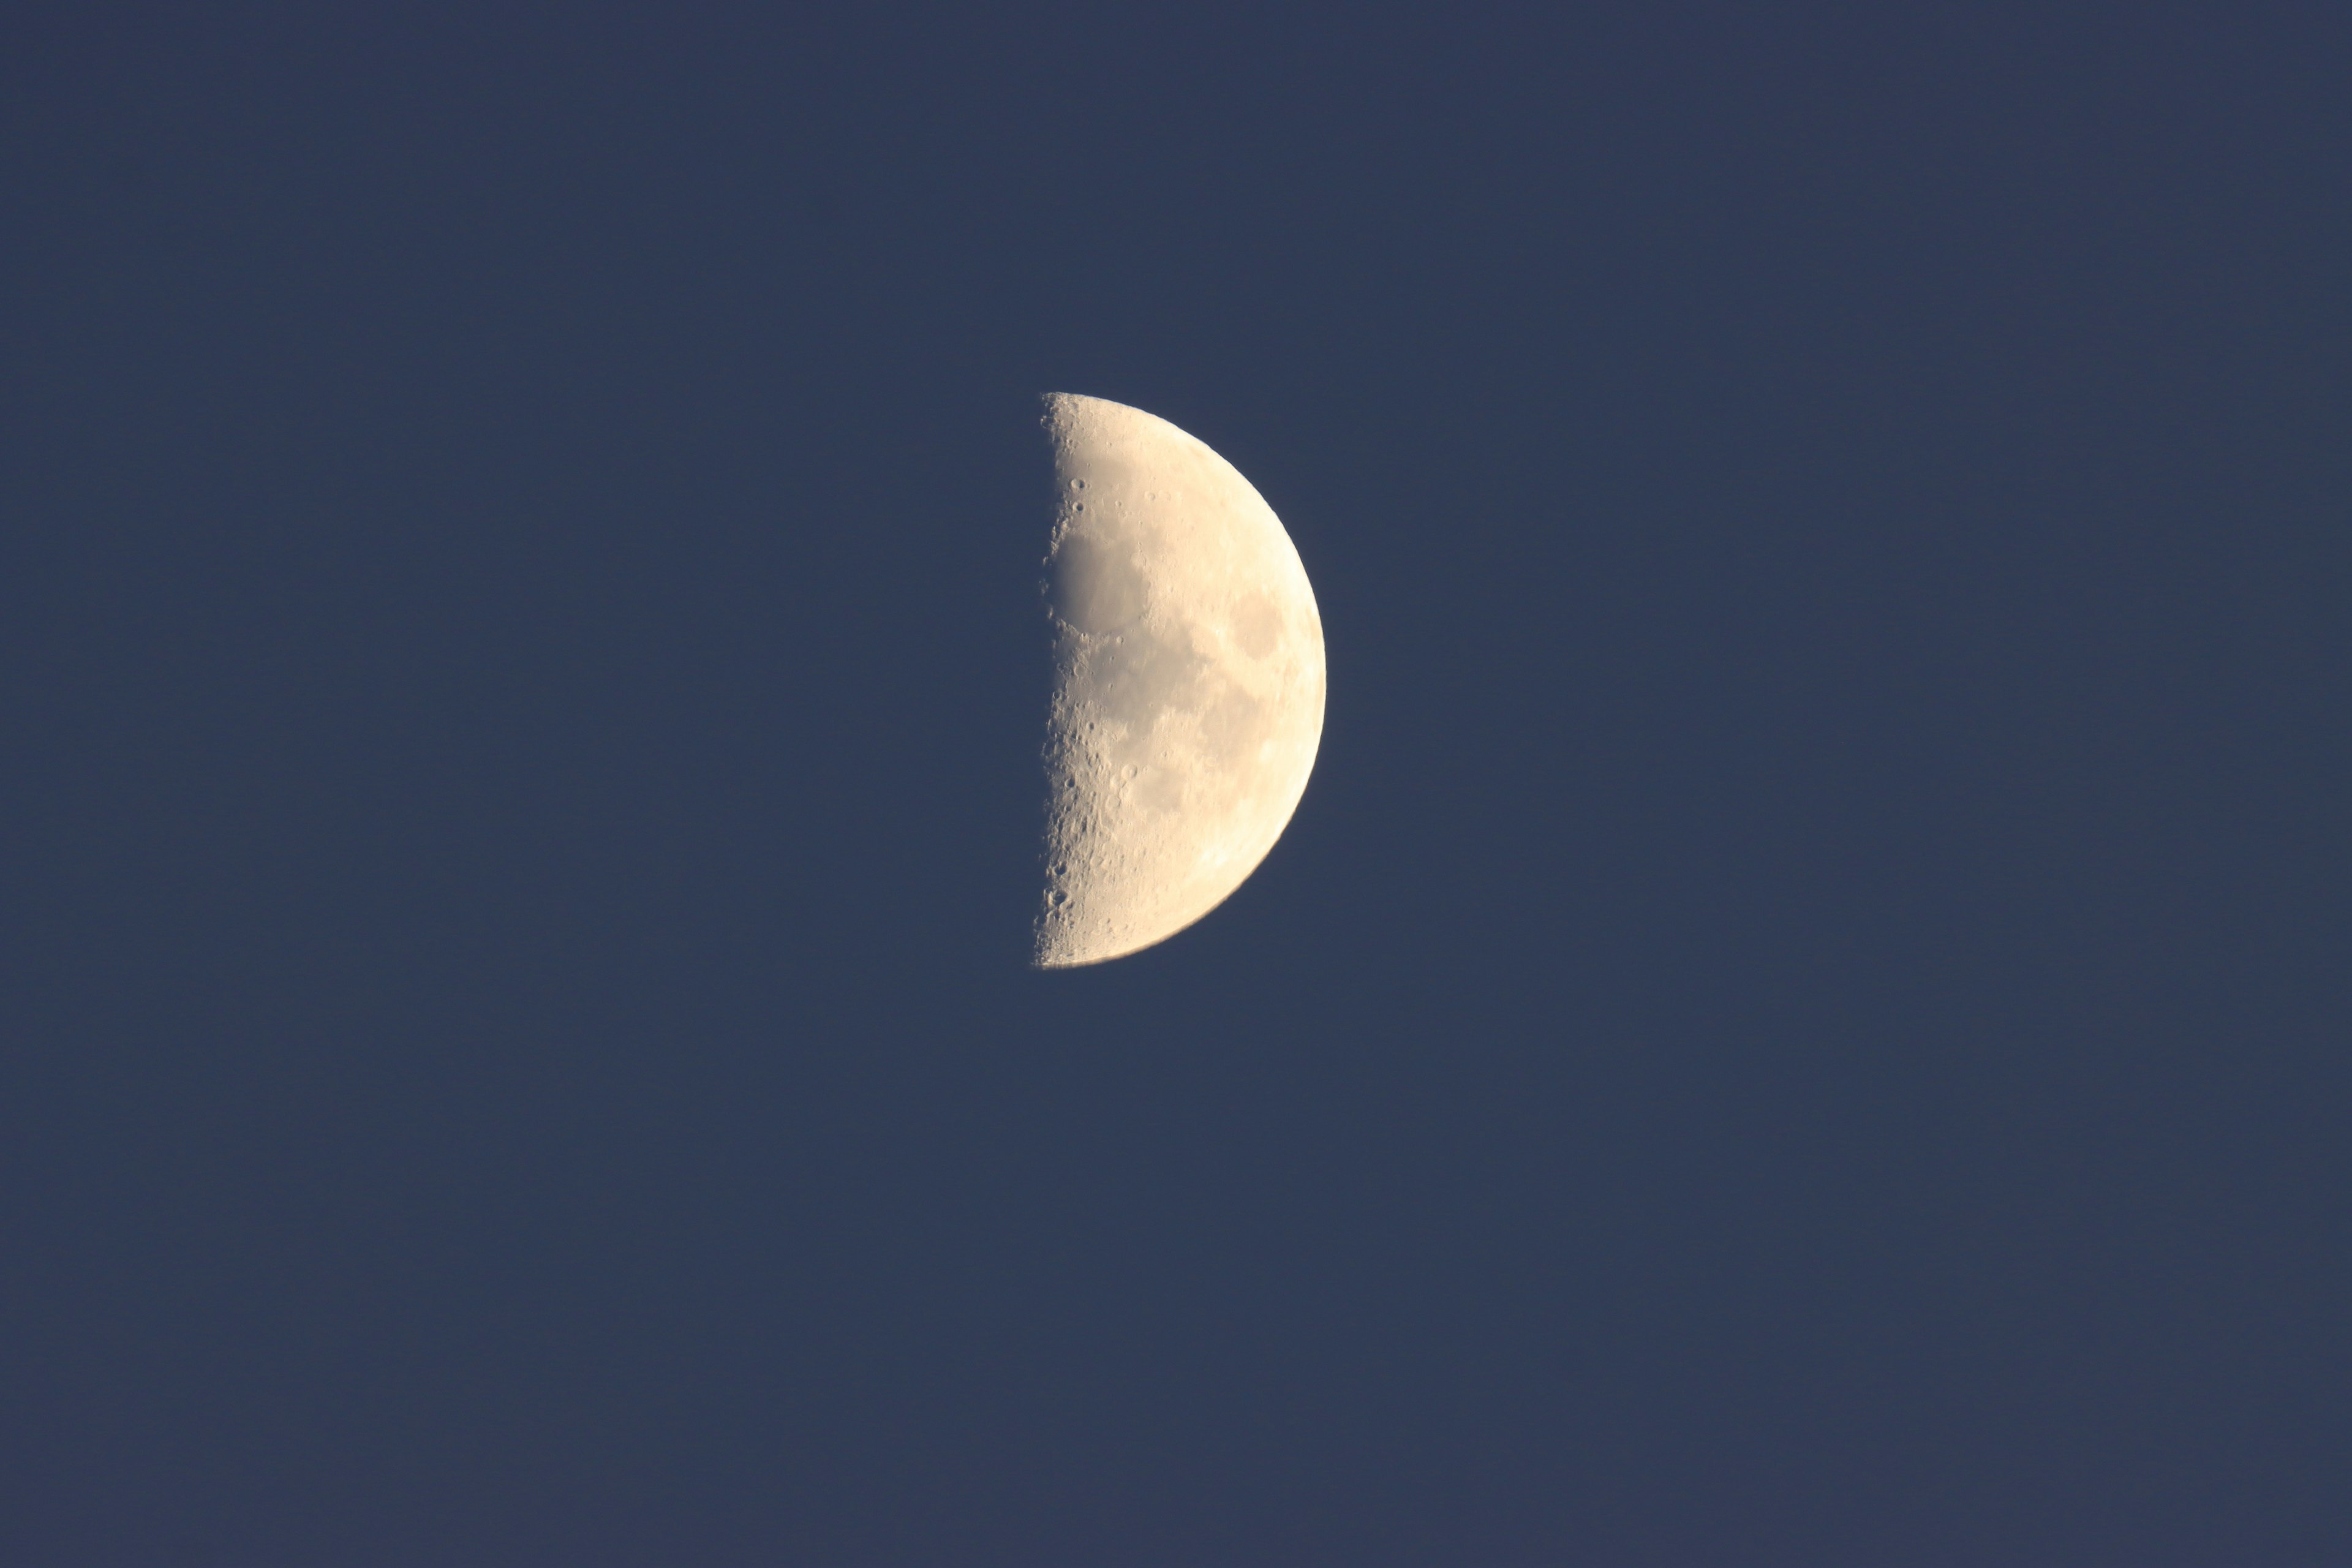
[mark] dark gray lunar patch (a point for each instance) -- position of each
(1097, 587)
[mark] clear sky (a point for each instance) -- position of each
(1802, 1019)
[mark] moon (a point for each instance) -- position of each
(1188, 683)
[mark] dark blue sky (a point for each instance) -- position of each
(1802, 1018)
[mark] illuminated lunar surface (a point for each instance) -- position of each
(1188, 694)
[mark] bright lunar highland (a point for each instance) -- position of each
(1187, 688)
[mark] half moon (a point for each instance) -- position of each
(1188, 683)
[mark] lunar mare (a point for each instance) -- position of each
(1188, 683)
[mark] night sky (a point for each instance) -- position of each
(1805, 1016)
